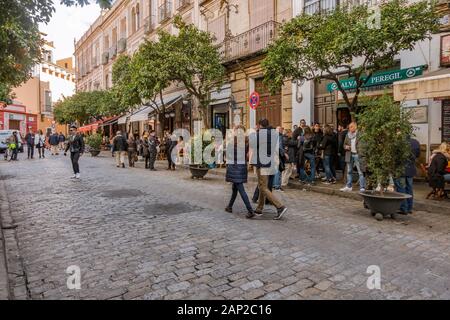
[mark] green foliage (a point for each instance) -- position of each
(6, 95)
(94, 141)
(82, 107)
(314, 47)
(197, 154)
(124, 90)
(384, 128)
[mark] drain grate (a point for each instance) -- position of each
(122, 193)
(169, 208)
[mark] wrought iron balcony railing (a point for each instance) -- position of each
(250, 42)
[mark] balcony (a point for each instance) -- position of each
(443, 9)
(105, 58)
(149, 26)
(122, 45)
(181, 4)
(165, 11)
(249, 43)
(113, 52)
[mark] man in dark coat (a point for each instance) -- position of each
(120, 147)
(29, 138)
(170, 143)
(76, 147)
(153, 150)
(404, 184)
(53, 140)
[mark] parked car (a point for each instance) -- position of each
(5, 134)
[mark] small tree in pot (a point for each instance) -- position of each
(385, 128)
(94, 142)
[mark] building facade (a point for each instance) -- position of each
(321, 102)
(17, 117)
(51, 82)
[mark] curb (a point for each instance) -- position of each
(16, 279)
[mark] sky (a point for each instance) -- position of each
(66, 24)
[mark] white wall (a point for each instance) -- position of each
(59, 87)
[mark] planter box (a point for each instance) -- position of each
(383, 205)
(197, 172)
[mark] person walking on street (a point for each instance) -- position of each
(341, 134)
(170, 144)
(132, 148)
(237, 172)
(329, 146)
(298, 136)
(145, 151)
(119, 148)
(307, 152)
(30, 139)
(76, 146)
(39, 141)
(404, 184)
(61, 139)
(153, 150)
(264, 170)
(54, 142)
(354, 156)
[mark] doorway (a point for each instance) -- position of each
(14, 125)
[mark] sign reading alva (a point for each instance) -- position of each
(379, 78)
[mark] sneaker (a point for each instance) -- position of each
(281, 190)
(257, 213)
(77, 176)
(333, 181)
(123, 165)
(228, 209)
(280, 212)
(73, 177)
(326, 182)
(346, 189)
(324, 179)
(362, 190)
(250, 215)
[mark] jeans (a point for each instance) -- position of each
(30, 148)
(277, 180)
(239, 187)
(329, 168)
(74, 157)
(312, 163)
(264, 192)
(41, 151)
(354, 161)
(405, 185)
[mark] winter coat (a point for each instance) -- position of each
(266, 140)
(359, 150)
(328, 145)
(61, 138)
(119, 144)
(237, 172)
(291, 146)
(132, 145)
(410, 168)
(39, 140)
(309, 144)
(75, 143)
(53, 140)
(29, 138)
(152, 144)
(145, 151)
(341, 138)
(437, 170)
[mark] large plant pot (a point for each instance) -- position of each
(94, 153)
(198, 172)
(383, 205)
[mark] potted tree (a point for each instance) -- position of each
(385, 127)
(94, 142)
(198, 165)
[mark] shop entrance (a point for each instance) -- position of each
(343, 116)
(14, 125)
(220, 117)
(270, 105)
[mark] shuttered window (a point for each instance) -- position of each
(261, 11)
(217, 28)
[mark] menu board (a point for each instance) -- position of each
(446, 120)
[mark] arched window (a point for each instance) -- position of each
(107, 82)
(133, 20)
(138, 17)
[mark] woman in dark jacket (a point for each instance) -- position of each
(237, 171)
(329, 146)
(132, 149)
(307, 153)
(290, 146)
(438, 166)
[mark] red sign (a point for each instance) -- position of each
(254, 100)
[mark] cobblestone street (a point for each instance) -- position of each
(137, 234)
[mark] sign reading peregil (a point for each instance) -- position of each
(379, 78)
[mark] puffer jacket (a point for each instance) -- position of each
(237, 172)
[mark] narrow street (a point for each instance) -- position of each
(137, 234)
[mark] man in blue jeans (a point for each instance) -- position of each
(404, 184)
(354, 156)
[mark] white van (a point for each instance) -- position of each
(5, 134)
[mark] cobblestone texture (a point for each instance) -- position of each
(110, 226)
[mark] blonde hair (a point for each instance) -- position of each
(444, 148)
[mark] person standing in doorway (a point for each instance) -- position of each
(29, 138)
(76, 147)
(119, 148)
(39, 141)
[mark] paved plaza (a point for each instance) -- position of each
(136, 234)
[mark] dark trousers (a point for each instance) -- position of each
(74, 157)
(131, 155)
(152, 160)
(269, 185)
(169, 160)
(14, 154)
(30, 148)
(239, 187)
(41, 151)
(147, 161)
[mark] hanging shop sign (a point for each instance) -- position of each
(379, 78)
(254, 100)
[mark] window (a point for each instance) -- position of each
(107, 82)
(217, 28)
(314, 6)
(133, 20)
(123, 28)
(261, 11)
(138, 17)
(48, 101)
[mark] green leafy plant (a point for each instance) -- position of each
(198, 141)
(94, 141)
(325, 45)
(385, 127)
